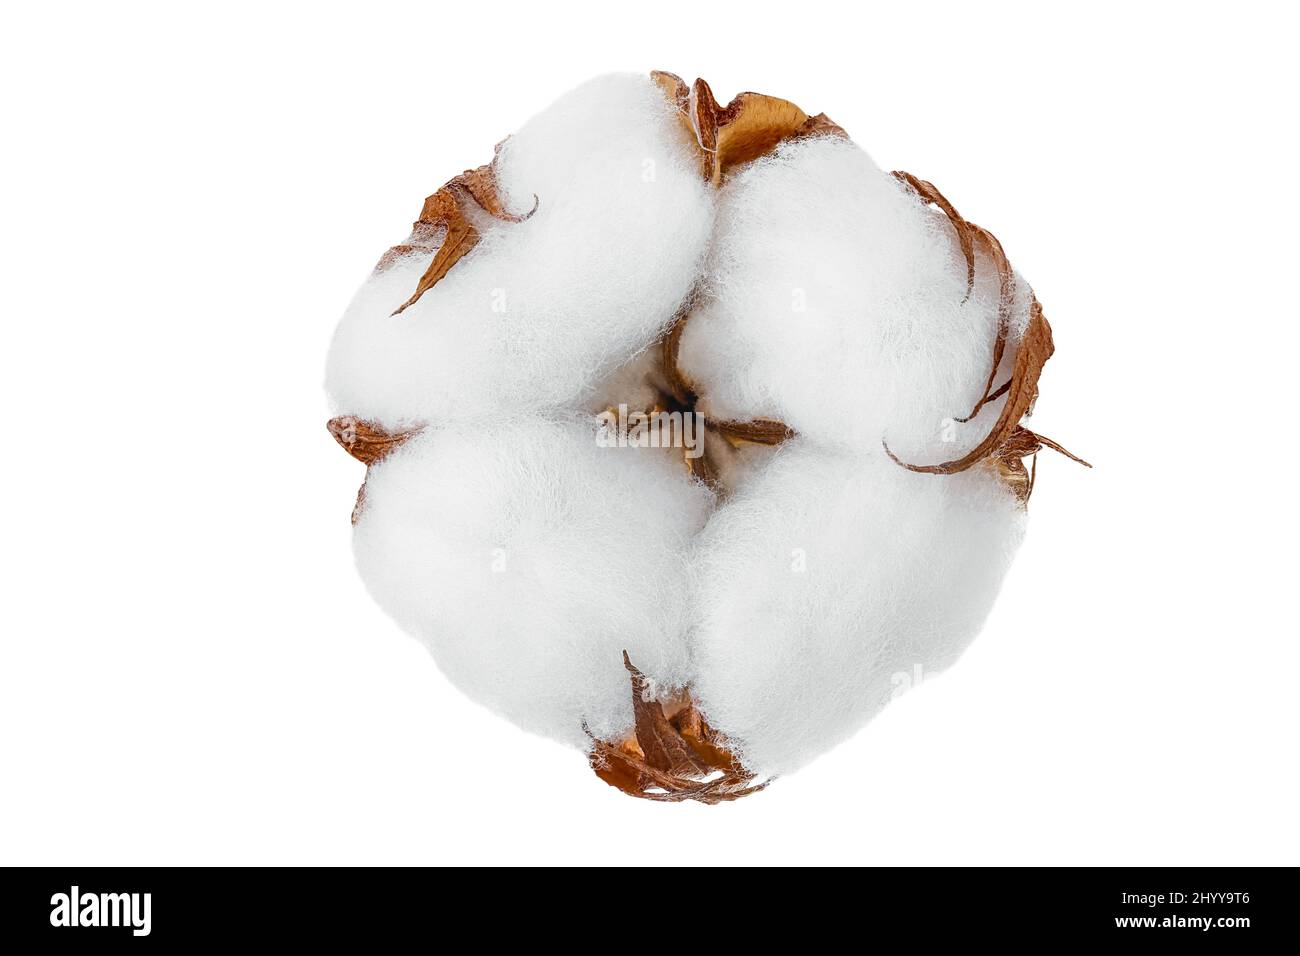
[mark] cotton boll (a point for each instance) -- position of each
(836, 302)
(540, 311)
(528, 559)
(824, 578)
(638, 247)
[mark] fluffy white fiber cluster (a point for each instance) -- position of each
(528, 557)
(542, 310)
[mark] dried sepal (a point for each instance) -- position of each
(660, 742)
(360, 502)
(1004, 445)
(444, 216)
(702, 470)
(1034, 351)
(748, 127)
(703, 739)
(1006, 284)
(968, 236)
(458, 238)
(670, 758)
(620, 768)
(368, 443)
(681, 391)
(678, 94)
(425, 239)
(821, 125)
(365, 441)
(965, 236)
(670, 350)
(758, 431)
(677, 391)
(1009, 460)
(743, 130)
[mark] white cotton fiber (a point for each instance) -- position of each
(835, 301)
(827, 583)
(540, 311)
(528, 559)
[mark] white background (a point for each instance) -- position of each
(191, 669)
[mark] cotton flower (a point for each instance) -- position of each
(688, 430)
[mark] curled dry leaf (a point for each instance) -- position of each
(670, 759)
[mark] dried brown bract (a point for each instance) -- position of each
(670, 758)
(368, 443)
(444, 219)
(748, 127)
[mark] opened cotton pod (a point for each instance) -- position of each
(687, 428)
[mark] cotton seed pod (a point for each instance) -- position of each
(827, 366)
